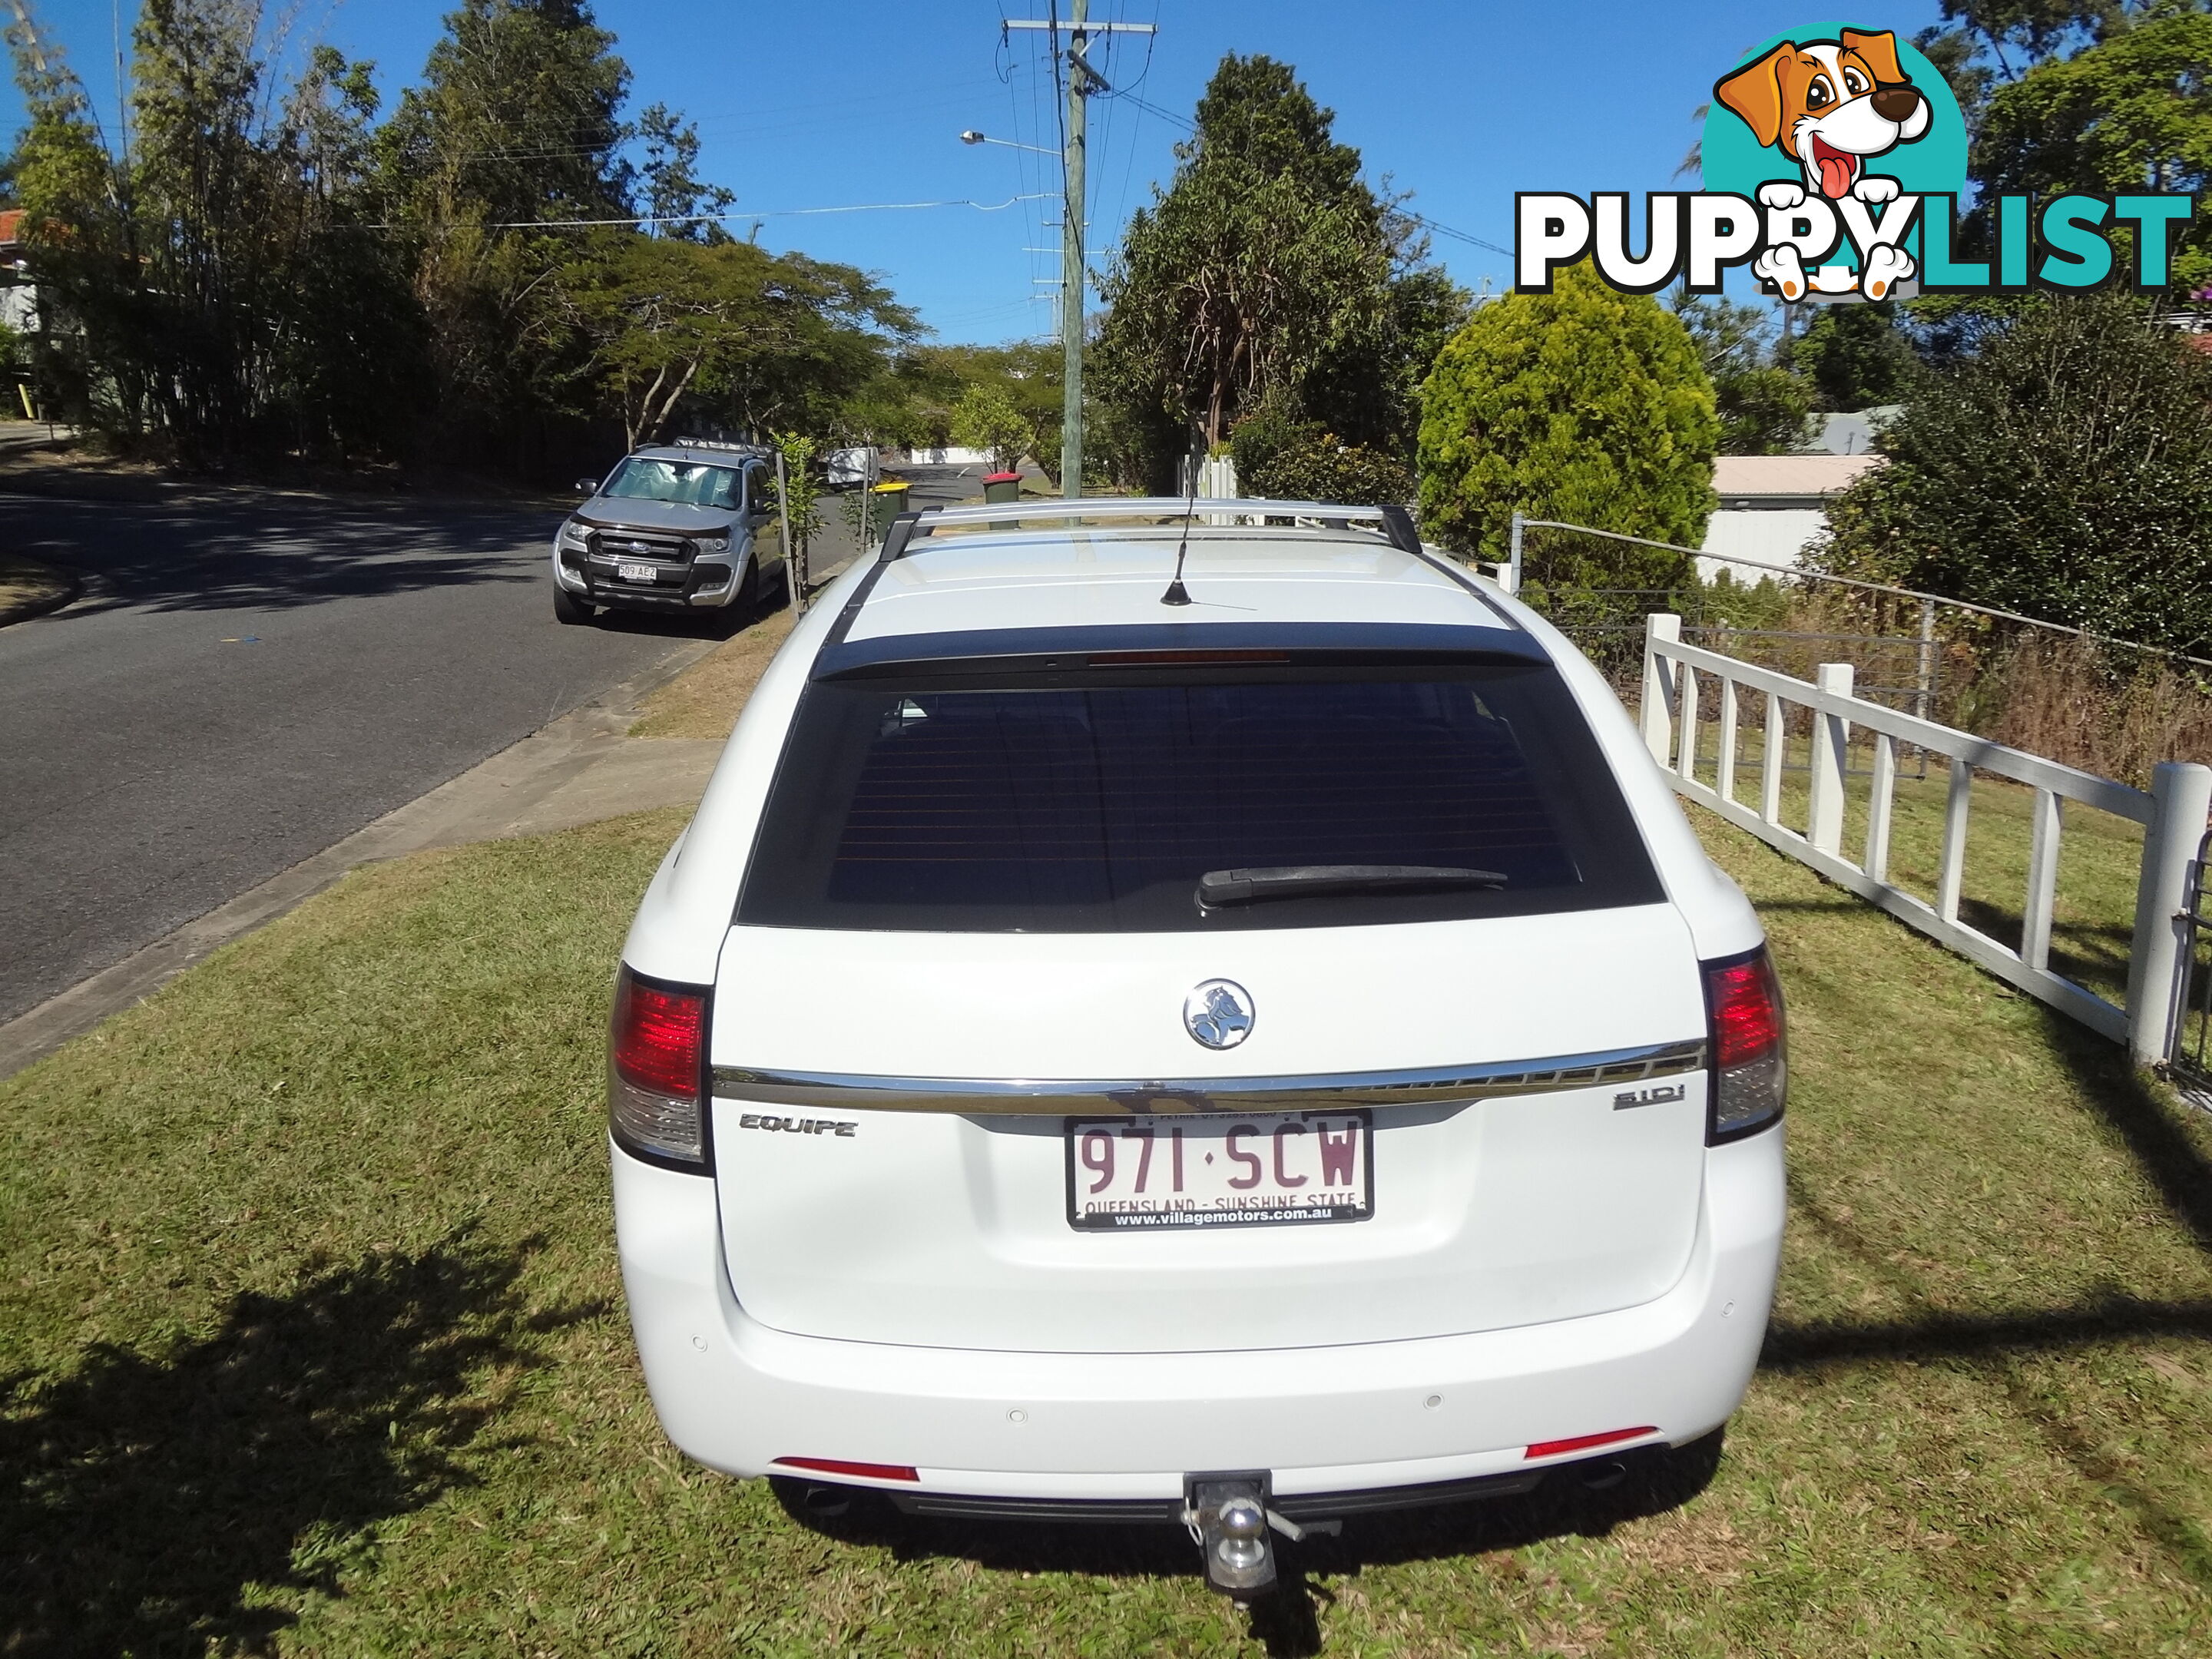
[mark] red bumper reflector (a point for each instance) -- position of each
(1586, 1442)
(867, 1471)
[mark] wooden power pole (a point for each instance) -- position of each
(1082, 82)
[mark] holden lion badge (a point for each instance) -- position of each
(1218, 1013)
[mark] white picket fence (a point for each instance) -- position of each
(2173, 813)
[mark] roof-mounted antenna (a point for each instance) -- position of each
(1177, 593)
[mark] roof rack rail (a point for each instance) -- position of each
(895, 537)
(1396, 522)
(730, 444)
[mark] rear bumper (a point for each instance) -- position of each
(737, 1395)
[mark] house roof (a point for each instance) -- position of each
(11, 226)
(1788, 475)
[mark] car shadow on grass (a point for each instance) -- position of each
(2176, 1164)
(1992, 1342)
(1286, 1621)
(188, 1499)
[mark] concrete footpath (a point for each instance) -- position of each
(579, 769)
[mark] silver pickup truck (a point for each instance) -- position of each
(673, 527)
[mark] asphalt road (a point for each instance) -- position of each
(251, 682)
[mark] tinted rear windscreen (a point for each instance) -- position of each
(992, 805)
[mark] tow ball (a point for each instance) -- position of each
(1229, 1516)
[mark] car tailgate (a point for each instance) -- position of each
(945, 1228)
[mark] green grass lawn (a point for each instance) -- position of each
(313, 1342)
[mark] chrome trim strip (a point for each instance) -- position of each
(836, 1091)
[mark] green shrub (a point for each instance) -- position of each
(1295, 460)
(2064, 470)
(1855, 356)
(1582, 404)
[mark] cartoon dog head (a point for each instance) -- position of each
(1828, 104)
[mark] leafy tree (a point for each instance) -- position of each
(518, 119)
(1855, 356)
(2130, 113)
(671, 188)
(220, 292)
(1025, 375)
(913, 401)
(274, 270)
(1765, 410)
(1583, 404)
(352, 358)
(79, 237)
(1229, 286)
(516, 123)
(822, 332)
(1256, 110)
(1280, 456)
(800, 506)
(1268, 269)
(204, 234)
(987, 418)
(654, 313)
(2015, 35)
(748, 335)
(1764, 406)
(2065, 470)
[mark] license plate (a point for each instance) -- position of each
(635, 573)
(1263, 1170)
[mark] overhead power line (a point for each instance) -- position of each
(1421, 219)
(751, 213)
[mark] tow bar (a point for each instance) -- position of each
(1229, 1516)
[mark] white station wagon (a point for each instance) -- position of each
(1216, 1023)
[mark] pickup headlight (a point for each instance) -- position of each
(711, 543)
(572, 534)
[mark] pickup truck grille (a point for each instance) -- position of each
(651, 546)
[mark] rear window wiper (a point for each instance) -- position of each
(1218, 887)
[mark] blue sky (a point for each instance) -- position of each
(820, 105)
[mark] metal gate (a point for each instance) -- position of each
(2189, 1047)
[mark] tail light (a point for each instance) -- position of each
(1750, 1058)
(657, 1070)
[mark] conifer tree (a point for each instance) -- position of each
(1584, 405)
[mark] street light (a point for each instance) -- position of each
(1071, 279)
(972, 137)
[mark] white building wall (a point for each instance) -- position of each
(1775, 537)
(947, 455)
